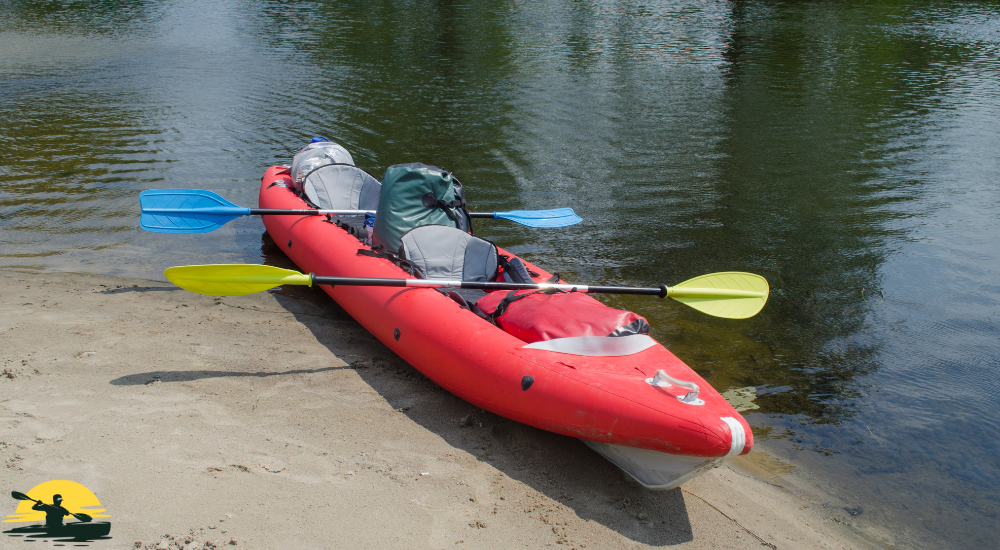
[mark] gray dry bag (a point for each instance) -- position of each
(318, 153)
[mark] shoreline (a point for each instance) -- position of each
(275, 420)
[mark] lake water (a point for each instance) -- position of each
(847, 151)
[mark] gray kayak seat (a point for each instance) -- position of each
(443, 252)
(342, 187)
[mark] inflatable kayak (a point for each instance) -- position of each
(628, 398)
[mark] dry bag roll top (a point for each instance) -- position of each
(414, 195)
(318, 153)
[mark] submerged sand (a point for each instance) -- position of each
(276, 421)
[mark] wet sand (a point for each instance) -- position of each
(276, 421)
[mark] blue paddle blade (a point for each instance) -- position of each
(185, 211)
(557, 217)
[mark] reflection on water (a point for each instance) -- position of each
(75, 139)
(845, 151)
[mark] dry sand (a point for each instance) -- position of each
(276, 421)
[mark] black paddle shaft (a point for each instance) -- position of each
(660, 291)
(314, 212)
(284, 211)
(22, 496)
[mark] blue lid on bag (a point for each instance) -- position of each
(318, 139)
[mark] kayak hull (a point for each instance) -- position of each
(605, 400)
(77, 531)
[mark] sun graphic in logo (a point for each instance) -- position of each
(49, 503)
(76, 499)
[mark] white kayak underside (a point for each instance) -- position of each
(654, 470)
(659, 471)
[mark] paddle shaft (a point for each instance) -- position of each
(294, 278)
(661, 291)
(311, 212)
(200, 211)
(446, 283)
(22, 496)
(281, 212)
(731, 295)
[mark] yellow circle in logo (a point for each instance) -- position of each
(76, 498)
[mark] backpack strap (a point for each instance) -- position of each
(455, 209)
(452, 208)
(471, 306)
(351, 230)
(512, 297)
(514, 270)
(509, 299)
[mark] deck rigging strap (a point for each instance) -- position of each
(378, 251)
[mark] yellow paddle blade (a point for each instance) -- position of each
(233, 279)
(732, 295)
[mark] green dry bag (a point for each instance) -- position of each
(416, 194)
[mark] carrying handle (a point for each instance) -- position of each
(664, 380)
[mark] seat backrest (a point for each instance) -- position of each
(342, 187)
(442, 252)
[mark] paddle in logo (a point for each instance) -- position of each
(59, 511)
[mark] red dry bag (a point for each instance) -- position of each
(533, 316)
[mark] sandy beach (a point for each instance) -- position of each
(276, 421)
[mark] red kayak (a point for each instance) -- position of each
(628, 398)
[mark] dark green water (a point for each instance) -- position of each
(848, 151)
